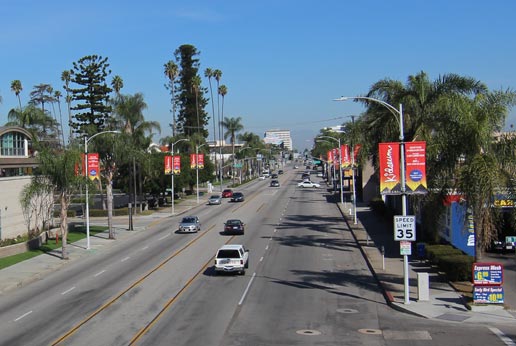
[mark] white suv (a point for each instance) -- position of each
(232, 258)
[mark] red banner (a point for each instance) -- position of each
(344, 152)
(356, 150)
(389, 157)
(415, 171)
(176, 164)
(330, 156)
(193, 162)
(93, 166)
(168, 165)
(200, 161)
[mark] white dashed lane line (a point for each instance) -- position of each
(246, 289)
(68, 291)
(167, 235)
(99, 273)
(22, 316)
(144, 248)
(506, 340)
(125, 259)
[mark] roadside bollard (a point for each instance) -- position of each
(130, 211)
(382, 251)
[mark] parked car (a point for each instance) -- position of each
(237, 197)
(234, 226)
(232, 258)
(280, 171)
(308, 184)
(190, 224)
(274, 176)
(274, 183)
(215, 199)
(227, 193)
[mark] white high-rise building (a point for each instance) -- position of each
(277, 137)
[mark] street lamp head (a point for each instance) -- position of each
(343, 98)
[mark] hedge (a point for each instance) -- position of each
(435, 252)
(456, 267)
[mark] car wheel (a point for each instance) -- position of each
(246, 265)
(242, 272)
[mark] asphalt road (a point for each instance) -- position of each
(307, 284)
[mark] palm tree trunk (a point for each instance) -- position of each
(109, 195)
(63, 228)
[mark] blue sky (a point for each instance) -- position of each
(282, 61)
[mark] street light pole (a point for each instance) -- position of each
(172, 173)
(86, 141)
(340, 167)
(398, 114)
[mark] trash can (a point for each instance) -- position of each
(421, 251)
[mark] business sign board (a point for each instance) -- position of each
(488, 294)
(487, 274)
(405, 248)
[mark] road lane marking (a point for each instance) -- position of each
(261, 258)
(166, 235)
(145, 248)
(125, 259)
(22, 316)
(506, 340)
(246, 289)
(267, 247)
(68, 291)
(99, 273)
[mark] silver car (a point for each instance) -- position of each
(190, 224)
(214, 199)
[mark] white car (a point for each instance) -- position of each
(309, 184)
(232, 258)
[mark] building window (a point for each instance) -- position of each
(12, 144)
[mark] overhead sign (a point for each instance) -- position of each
(404, 228)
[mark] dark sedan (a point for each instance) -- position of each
(234, 226)
(237, 197)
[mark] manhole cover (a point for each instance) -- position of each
(308, 332)
(347, 311)
(370, 331)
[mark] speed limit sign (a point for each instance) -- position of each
(404, 227)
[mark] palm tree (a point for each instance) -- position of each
(56, 172)
(57, 97)
(456, 116)
(128, 117)
(208, 73)
(232, 126)
(171, 72)
(196, 86)
(117, 84)
(66, 77)
(217, 74)
(16, 87)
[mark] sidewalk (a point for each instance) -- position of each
(444, 302)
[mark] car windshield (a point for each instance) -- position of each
(233, 222)
(237, 194)
(188, 220)
(215, 197)
(228, 254)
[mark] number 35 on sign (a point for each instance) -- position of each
(404, 228)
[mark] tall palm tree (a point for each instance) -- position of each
(171, 72)
(232, 126)
(16, 87)
(66, 77)
(57, 97)
(208, 73)
(117, 83)
(196, 86)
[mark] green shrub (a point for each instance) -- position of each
(435, 252)
(456, 267)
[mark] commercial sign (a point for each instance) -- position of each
(389, 168)
(176, 164)
(487, 274)
(330, 156)
(197, 161)
(488, 294)
(168, 165)
(93, 166)
(415, 167)
(344, 152)
(405, 228)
